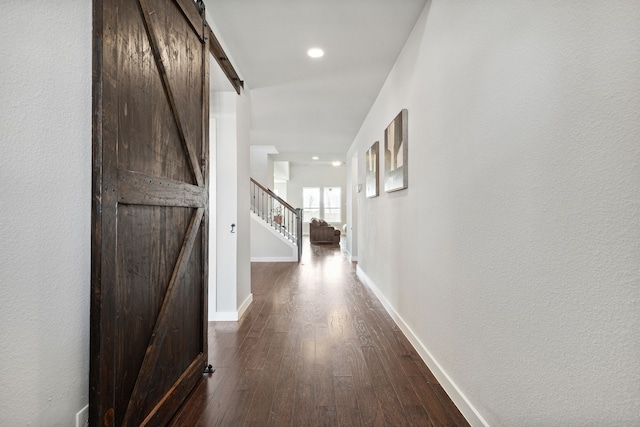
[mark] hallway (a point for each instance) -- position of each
(315, 348)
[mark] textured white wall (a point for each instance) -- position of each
(45, 211)
(514, 255)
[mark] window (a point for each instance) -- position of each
(310, 203)
(332, 204)
(327, 207)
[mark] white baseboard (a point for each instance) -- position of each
(232, 316)
(274, 259)
(224, 316)
(345, 251)
(82, 417)
(463, 404)
(244, 306)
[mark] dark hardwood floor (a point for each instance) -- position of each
(316, 348)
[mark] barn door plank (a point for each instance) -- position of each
(174, 398)
(153, 354)
(153, 39)
(103, 219)
(139, 189)
(193, 16)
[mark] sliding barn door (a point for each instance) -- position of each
(150, 209)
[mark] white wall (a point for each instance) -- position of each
(321, 175)
(268, 245)
(223, 109)
(261, 164)
(281, 170)
(513, 258)
(280, 178)
(233, 120)
(45, 214)
(212, 290)
(280, 188)
(352, 207)
(243, 261)
(232, 205)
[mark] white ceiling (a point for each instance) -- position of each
(305, 106)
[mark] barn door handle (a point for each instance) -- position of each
(232, 228)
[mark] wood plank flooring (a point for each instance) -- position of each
(316, 348)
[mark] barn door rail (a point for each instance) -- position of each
(279, 214)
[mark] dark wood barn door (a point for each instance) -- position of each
(150, 209)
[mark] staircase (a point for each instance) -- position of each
(278, 214)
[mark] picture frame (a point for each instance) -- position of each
(372, 167)
(396, 153)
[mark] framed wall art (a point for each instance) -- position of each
(372, 166)
(396, 171)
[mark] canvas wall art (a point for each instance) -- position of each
(372, 165)
(396, 171)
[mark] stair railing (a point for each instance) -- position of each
(283, 217)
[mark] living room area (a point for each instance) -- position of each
(318, 186)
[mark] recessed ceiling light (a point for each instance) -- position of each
(315, 52)
(336, 163)
(315, 158)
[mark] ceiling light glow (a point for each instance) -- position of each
(315, 52)
(336, 163)
(315, 158)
